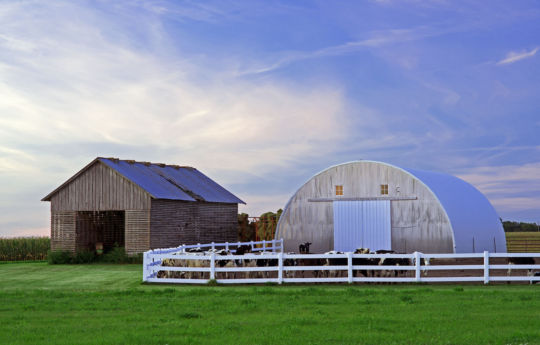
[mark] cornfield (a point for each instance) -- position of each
(523, 242)
(24, 248)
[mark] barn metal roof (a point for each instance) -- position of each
(470, 212)
(164, 181)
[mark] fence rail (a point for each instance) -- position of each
(271, 245)
(178, 266)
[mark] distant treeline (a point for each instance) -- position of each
(262, 229)
(510, 226)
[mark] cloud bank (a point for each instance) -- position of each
(76, 86)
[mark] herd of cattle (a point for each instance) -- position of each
(287, 263)
(297, 272)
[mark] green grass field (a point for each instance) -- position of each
(107, 304)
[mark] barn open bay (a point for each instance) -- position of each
(104, 304)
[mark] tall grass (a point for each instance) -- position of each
(24, 248)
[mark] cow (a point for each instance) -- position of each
(303, 248)
(289, 263)
(423, 262)
(266, 263)
(364, 262)
(521, 261)
(311, 262)
(392, 262)
(223, 263)
(335, 262)
(243, 249)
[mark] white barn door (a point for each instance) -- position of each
(362, 224)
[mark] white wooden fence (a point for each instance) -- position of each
(420, 267)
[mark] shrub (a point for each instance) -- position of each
(116, 256)
(84, 257)
(59, 257)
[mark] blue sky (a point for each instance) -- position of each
(261, 95)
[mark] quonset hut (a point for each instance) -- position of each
(375, 205)
(139, 206)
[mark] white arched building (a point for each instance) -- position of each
(375, 205)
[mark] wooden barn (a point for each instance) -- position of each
(140, 206)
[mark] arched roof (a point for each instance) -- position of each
(470, 212)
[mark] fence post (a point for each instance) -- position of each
(281, 245)
(264, 245)
(273, 245)
(417, 266)
(280, 265)
(213, 265)
(213, 245)
(145, 267)
(486, 267)
(227, 246)
(349, 268)
(252, 247)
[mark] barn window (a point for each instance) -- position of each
(384, 189)
(339, 190)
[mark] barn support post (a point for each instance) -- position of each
(486, 267)
(280, 270)
(417, 267)
(213, 265)
(349, 268)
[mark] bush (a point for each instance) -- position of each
(59, 257)
(118, 256)
(84, 257)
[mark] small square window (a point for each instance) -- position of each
(384, 189)
(339, 190)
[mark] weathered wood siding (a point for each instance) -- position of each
(100, 188)
(137, 237)
(63, 230)
(421, 224)
(173, 223)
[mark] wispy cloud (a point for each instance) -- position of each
(65, 83)
(510, 187)
(512, 57)
(376, 39)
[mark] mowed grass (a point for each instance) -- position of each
(107, 304)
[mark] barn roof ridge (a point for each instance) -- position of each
(162, 181)
(132, 161)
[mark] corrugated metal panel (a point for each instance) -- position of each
(362, 224)
(172, 182)
(475, 222)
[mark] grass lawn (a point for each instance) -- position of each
(107, 304)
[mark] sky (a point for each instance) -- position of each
(262, 95)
